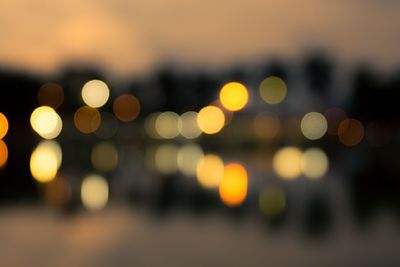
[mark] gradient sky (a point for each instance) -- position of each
(125, 37)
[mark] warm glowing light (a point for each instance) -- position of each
(188, 157)
(126, 107)
(287, 162)
(57, 192)
(211, 119)
(167, 125)
(150, 125)
(273, 90)
(313, 125)
(46, 122)
(3, 153)
(314, 163)
(50, 94)
(54, 147)
(94, 192)
(234, 96)
(188, 127)
(104, 156)
(350, 132)
(108, 126)
(3, 125)
(209, 171)
(272, 201)
(87, 119)
(45, 161)
(266, 126)
(95, 93)
(166, 159)
(233, 185)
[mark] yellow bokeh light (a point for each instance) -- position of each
(45, 161)
(104, 156)
(3, 125)
(95, 93)
(87, 119)
(211, 119)
(94, 192)
(50, 94)
(350, 132)
(54, 147)
(150, 125)
(314, 163)
(313, 125)
(209, 171)
(273, 90)
(233, 185)
(46, 122)
(287, 162)
(272, 201)
(234, 96)
(167, 125)
(188, 157)
(188, 127)
(126, 107)
(166, 159)
(3, 153)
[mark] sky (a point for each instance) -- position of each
(125, 37)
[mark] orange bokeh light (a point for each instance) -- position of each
(233, 185)
(87, 119)
(350, 132)
(3, 125)
(126, 107)
(3, 153)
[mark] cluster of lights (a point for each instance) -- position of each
(3, 145)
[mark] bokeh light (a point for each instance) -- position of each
(188, 127)
(189, 156)
(166, 158)
(45, 161)
(3, 125)
(104, 156)
(350, 132)
(50, 94)
(54, 147)
(167, 125)
(313, 125)
(233, 185)
(108, 126)
(94, 192)
(3, 153)
(209, 171)
(272, 201)
(273, 90)
(334, 116)
(314, 163)
(46, 122)
(234, 96)
(58, 192)
(126, 107)
(87, 119)
(287, 162)
(95, 93)
(150, 125)
(266, 126)
(211, 119)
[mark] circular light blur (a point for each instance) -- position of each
(150, 125)
(3, 153)
(188, 127)
(108, 126)
(166, 159)
(94, 192)
(313, 125)
(188, 157)
(314, 163)
(44, 163)
(46, 122)
(87, 119)
(209, 171)
(54, 147)
(95, 93)
(287, 162)
(272, 201)
(126, 107)
(166, 125)
(234, 96)
(273, 90)
(233, 185)
(3, 125)
(50, 94)
(350, 132)
(57, 192)
(211, 120)
(104, 156)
